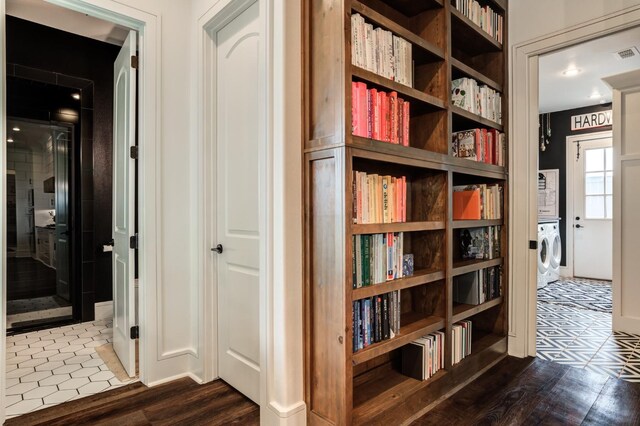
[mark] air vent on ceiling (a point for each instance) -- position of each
(628, 53)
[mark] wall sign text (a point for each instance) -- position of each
(589, 121)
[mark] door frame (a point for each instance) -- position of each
(523, 166)
(149, 136)
(280, 162)
(567, 246)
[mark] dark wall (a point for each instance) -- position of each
(39, 52)
(554, 157)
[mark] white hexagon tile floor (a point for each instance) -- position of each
(49, 367)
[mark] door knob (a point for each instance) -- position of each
(577, 217)
(579, 226)
(218, 249)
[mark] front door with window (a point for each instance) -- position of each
(593, 202)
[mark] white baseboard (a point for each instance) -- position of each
(565, 272)
(275, 415)
(104, 310)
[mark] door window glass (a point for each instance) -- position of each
(598, 183)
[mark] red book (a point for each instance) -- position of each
(466, 205)
(384, 118)
(401, 121)
(375, 114)
(485, 146)
(362, 110)
(393, 117)
(354, 108)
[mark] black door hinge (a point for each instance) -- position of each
(134, 332)
(133, 242)
(133, 152)
(533, 244)
(134, 62)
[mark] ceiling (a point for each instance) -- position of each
(44, 13)
(32, 136)
(595, 59)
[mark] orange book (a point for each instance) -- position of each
(466, 205)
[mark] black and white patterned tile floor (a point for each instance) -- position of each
(583, 338)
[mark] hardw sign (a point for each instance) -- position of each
(589, 121)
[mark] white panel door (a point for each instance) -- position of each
(593, 209)
(124, 131)
(238, 136)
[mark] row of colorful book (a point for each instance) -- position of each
(477, 202)
(380, 51)
(377, 258)
(379, 199)
(461, 341)
(424, 357)
(375, 319)
(478, 99)
(482, 145)
(477, 287)
(483, 16)
(480, 243)
(379, 115)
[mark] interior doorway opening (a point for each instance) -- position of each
(39, 160)
(575, 199)
(71, 84)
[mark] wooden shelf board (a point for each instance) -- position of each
(463, 68)
(431, 103)
(416, 157)
(407, 155)
(468, 36)
(409, 332)
(463, 311)
(411, 8)
(420, 277)
(466, 266)
(462, 119)
(428, 52)
(379, 228)
(459, 224)
(387, 397)
(470, 167)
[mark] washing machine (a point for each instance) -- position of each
(552, 230)
(543, 256)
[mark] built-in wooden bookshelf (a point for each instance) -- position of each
(366, 386)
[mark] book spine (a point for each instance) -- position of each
(385, 317)
(389, 256)
(393, 117)
(385, 200)
(365, 261)
(358, 248)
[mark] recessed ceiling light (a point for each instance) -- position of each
(603, 101)
(595, 95)
(76, 96)
(10, 140)
(16, 129)
(571, 71)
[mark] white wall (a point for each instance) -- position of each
(172, 338)
(531, 19)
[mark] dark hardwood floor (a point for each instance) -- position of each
(531, 391)
(28, 278)
(514, 392)
(181, 402)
